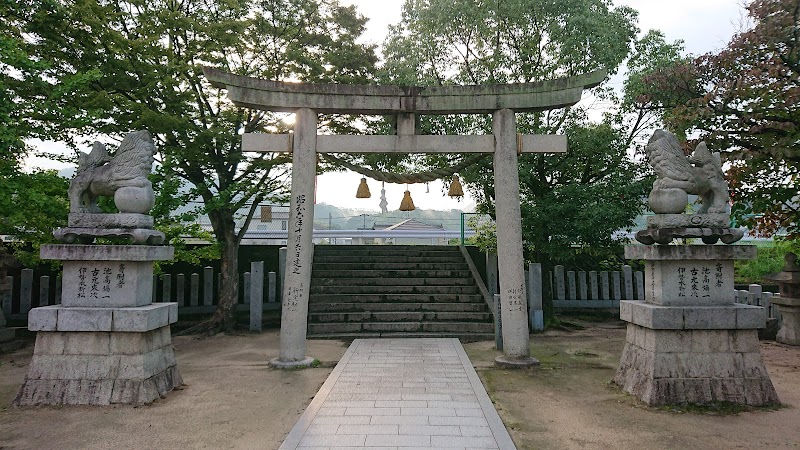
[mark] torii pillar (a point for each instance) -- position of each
(511, 263)
(299, 245)
(307, 100)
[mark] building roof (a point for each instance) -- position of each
(408, 225)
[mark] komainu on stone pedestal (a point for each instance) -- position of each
(678, 176)
(688, 341)
(123, 177)
(106, 343)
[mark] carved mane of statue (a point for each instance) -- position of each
(699, 174)
(123, 176)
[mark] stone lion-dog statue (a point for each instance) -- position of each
(123, 176)
(678, 175)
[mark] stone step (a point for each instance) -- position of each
(463, 337)
(443, 289)
(399, 316)
(437, 307)
(385, 250)
(347, 258)
(405, 327)
(404, 273)
(381, 265)
(337, 298)
(383, 254)
(319, 282)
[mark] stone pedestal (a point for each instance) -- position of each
(688, 342)
(790, 316)
(106, 343)
(788, 303)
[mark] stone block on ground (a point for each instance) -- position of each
(663, 367)
(137, 319)
(84, 319)
(789, 332)
(43, 319)
(100, 368)
(659, 317)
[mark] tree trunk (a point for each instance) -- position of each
(229, 282)
(224, 318)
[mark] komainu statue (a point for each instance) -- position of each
(678, 176)
(123, 176)
(699, 174)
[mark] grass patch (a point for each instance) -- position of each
(769, 259)
(314, 364)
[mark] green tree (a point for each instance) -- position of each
(119, 66)
(31, 204)
(463, 42)
(744, 100)
(572, 204)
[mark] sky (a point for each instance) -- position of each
(703, 25)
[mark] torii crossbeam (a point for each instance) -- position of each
(308, 100)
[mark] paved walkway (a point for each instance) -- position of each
(401, 394)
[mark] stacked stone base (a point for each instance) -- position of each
(100, 368)
(713, 359)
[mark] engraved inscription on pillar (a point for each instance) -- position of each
(293, 297)
(515, 299)
(297, 245)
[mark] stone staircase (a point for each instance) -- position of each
(368, 291)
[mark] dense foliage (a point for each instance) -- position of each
(110, 67)
(744, 100)
(31, 203)
(572, 204)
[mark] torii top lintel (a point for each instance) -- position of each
(388, 100)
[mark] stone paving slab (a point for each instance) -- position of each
(401, 394)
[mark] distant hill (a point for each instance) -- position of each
(67, 172)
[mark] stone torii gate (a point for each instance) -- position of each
(405, 103)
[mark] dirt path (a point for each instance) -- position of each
(233, 400)
(568, 403)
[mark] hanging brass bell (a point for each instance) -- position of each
(455, 188)
(407, 204)
(363, 189)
